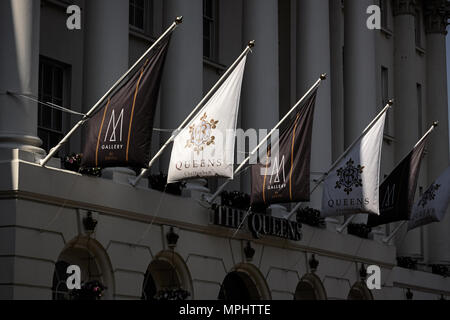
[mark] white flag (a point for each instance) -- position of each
(433, 204)
(353, 185)
(205, 148)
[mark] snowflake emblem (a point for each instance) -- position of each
(429, 195)
(349, 177)
(201, 134)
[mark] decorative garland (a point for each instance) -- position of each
(359, 230)
(310, 217)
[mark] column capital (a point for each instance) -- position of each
(437, 12)
(401, 7)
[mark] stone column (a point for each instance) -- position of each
(405, 109)
(260, 93)
(336, 78)
(105, 48)
(360, 70)
(436, 15)
(105, 56)
(313, 59)
(182, 84)
(19, 72)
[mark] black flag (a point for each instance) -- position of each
(398, 190)
(119, 134)
(285, 178)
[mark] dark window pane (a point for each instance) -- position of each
(58, 83)
(46, 117)
(139, 4)
(208, 8)
(139, 18)
(57, 120)
(131, 15)
(206, 48)
(44, 137)
(47, 80)
(40, 115)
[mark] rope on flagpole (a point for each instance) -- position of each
(144, 172)
(322, 179)
(47, 104)
(53, 151)
(222, 187)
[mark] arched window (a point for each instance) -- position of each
(96, 275)
(167, 278)
(245, 283)
(310, 288)
(360, 292)
(238, 286)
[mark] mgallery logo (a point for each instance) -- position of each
(201, 134)
(429, 195)
(258, 224)
(349, 177)
(278, 177)
(114, 132)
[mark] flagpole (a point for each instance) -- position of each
(388, 105)
(346, 223)
(315, 85)
(53, 151)
(393, 233)
(143, 173)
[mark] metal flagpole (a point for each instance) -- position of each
(250, 45)
(396, 230)
(346, 223)
(393, 233)
(389, 105)
(215, 195)
(174, 25)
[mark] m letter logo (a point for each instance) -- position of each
(74, 20)
(374, 279)
(74, 280)
(277, 167)
(115, 124)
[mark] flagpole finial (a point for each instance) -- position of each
(435, 124)
(251, 43)
(323, 76)
(179, 20)
(391, 102)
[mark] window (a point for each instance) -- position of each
(385, 93)
(418, 29)
(140, 15)
(384, 13)
(209, 29)
(52, 83)
(419, 110)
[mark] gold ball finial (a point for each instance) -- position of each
(179, 20)
(323, 76)
(251, 43)
(391, 102)
(435, 124)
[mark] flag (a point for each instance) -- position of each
(205, 147)
(119, 134)
(433, 204)
(352, 185)
(284, 177)
(398, 190)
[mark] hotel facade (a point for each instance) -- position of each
(146, 242)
